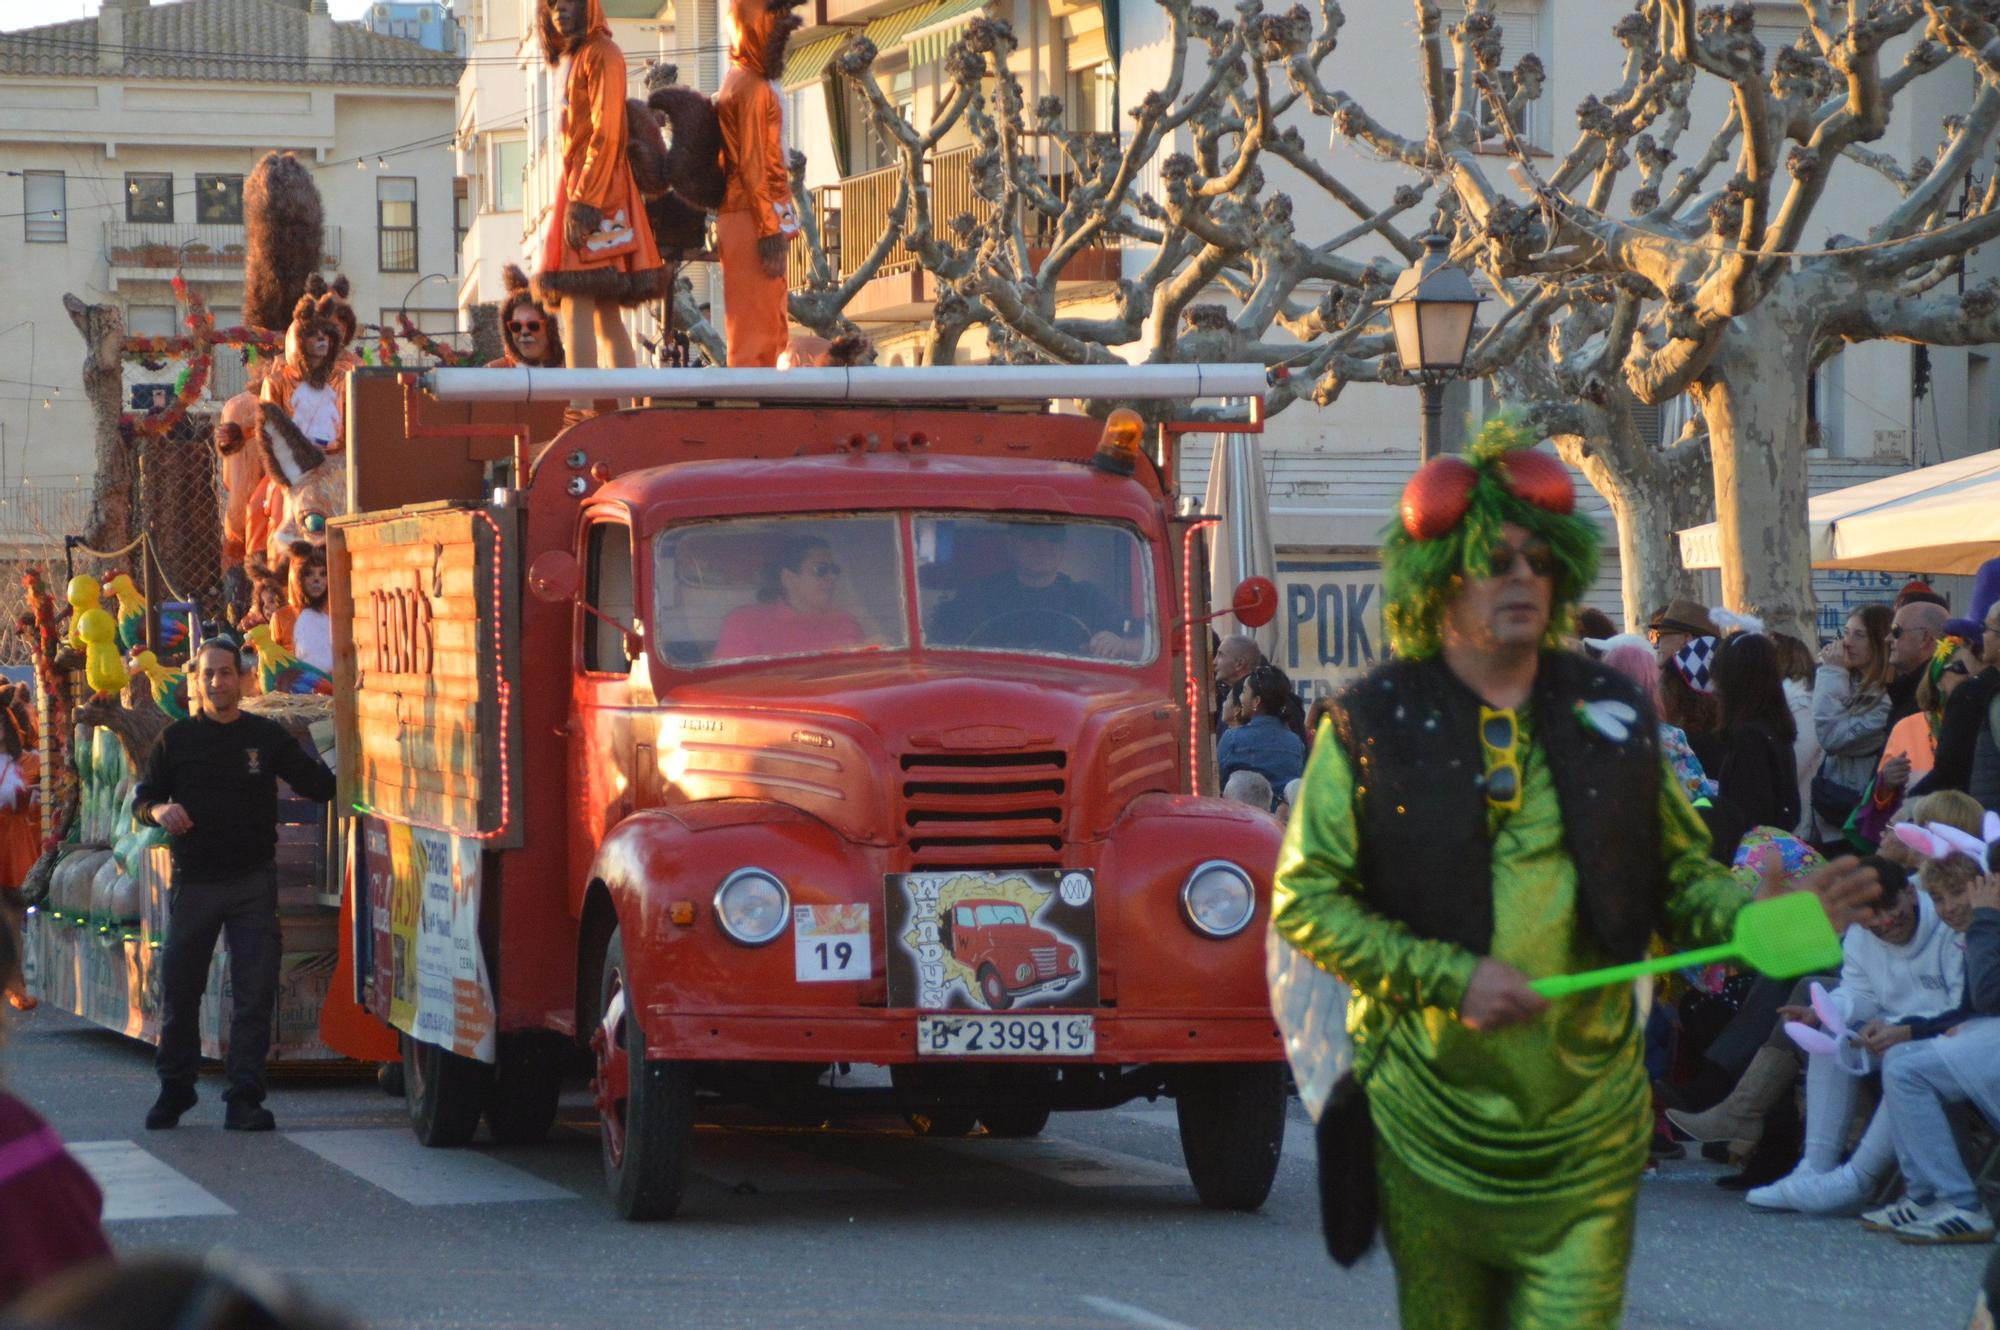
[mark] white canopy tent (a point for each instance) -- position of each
(1934, 520)
(1240, 545)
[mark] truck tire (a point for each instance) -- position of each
(994, 989)
(443, 1091)
(526, 1085)
(1232, 1118)
(1014, 1122)
(645, 1109)
(389, 1079)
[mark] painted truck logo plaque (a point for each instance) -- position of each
(991, 941)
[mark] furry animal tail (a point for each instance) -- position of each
(284, 224)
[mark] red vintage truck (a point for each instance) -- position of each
(795, 721)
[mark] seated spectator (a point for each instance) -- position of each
(1906, 962)
(1634, 659)
(1263, 743)
(1248, 787)
(1235, 656)
(1795, 660)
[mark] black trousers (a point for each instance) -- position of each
(243, 909)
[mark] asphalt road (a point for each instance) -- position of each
(1093, 1227)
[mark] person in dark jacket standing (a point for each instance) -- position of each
(1757, 781)
(212, 784)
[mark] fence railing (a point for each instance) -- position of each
(855, 214)
(32, 514)
(167, 245)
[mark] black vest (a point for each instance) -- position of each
(1412, 730)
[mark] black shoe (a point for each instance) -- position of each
(1666, 1147)
(175, 1099)
(242, 1115)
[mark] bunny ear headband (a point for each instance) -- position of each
(1938, 841)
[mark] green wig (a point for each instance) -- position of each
(1421, 576)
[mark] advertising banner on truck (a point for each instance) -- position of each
(429, 975)
(1329, 620)
(991, 941)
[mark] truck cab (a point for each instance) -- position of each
(819, 737)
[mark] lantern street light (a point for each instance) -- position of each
(1431, 309)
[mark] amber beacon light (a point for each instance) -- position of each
(1118, 451)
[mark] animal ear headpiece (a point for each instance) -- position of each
(1449, 521)
(1935, 840)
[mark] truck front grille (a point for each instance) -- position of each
(1045, 962)
(984, 808)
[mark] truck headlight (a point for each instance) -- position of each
(752, 905)
(1023, 973)
(1218, 899)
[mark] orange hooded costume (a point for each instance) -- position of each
(755, 227)
(617, 260)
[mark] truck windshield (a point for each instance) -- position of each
(764, 588)
(1002, 914)
(1045, 586)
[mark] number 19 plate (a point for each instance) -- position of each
(1006, 1036)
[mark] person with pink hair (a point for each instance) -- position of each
(1637, 661)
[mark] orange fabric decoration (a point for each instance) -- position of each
(753, 304)
(756, 215)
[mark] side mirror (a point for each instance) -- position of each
(1255, 601)
(554, 576)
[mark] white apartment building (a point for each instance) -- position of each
(126, 139)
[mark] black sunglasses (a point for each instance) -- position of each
(536, 326)
(1501, 558)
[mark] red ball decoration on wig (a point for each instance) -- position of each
(1538, 478)
(1437, 496)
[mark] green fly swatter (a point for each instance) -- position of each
(1784, 937)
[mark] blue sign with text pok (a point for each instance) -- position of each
(1329, 622)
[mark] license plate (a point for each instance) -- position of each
(1006, 1036)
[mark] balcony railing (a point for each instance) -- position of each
(854, 215)
(168, 245)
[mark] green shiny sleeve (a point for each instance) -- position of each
(1316, 901)
(1702, 896)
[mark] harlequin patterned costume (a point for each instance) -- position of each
(1507, 1162)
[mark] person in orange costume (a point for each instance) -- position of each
(598, 252)
(755, 227)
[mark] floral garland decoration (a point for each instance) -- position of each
(188, 388)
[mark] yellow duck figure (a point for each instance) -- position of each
(169, 685)
(103, 668)
(83, 595)
(131, 611)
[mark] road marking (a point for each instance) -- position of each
(394, 1160)
(1131, 1315)
(753, 1162)
(1070, 1162)
(138, 1186)
(1299, 1142)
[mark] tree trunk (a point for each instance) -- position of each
(113, 522)
(1754, 396)
(1647, 506)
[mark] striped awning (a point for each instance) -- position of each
(889, 31)
(807, 63)
(930, 40)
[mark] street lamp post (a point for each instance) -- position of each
(1431, 309)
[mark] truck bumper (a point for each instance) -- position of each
(889, 1037)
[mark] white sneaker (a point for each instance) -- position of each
(1945, 1224)
(1890, 1217)
(1778, 1195)
(1841, 1192)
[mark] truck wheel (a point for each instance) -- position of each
(993, 990)
(521, 1099)
(1014, 1122)
(646, 1109)
(444, 1092)
(1232, 1128)
(389, 1079)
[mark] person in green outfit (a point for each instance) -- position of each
(1484, 810)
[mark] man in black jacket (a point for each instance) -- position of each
(212, 784)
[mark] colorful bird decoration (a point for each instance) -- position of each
(103, 668)
(279, 671)
(83, 594)
(173, 633)
(131, 612)
(169, 685)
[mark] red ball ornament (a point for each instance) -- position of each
(1538, 478)
(1437, 496)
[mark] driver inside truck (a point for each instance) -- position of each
(1033, 605)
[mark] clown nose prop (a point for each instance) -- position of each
(1783, 937)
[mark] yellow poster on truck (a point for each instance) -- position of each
(427, 974)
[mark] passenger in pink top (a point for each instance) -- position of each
(794, 614)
